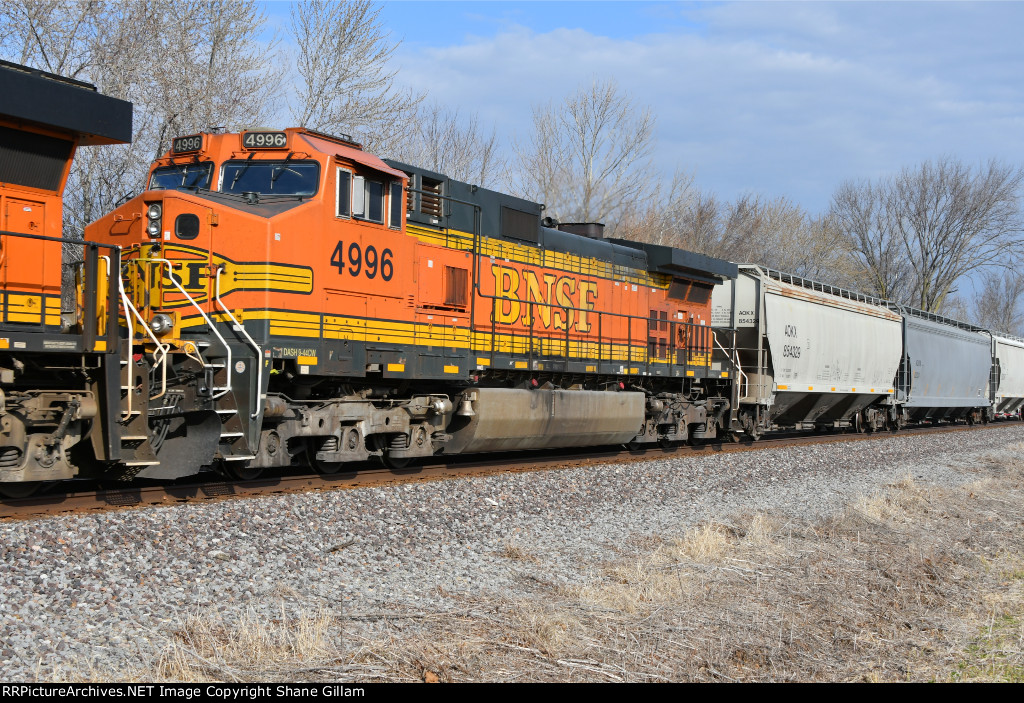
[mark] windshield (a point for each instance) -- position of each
(270, 177)
(182, 176)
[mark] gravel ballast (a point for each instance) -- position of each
(108, 591)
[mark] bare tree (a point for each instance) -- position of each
(185, 65)
(997, 306)
(458, 147)
(588, 158)
(663, 215)
(220, 74)
(345, 83)
(782, 235)
(859, 211)
(700, 225)
(920, 232)
(754, 229)
(53, 35)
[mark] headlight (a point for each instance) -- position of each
(161, 324)
(154, 211)
(154, 229)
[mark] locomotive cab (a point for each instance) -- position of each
(222, 266)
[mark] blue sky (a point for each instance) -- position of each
(783, 99)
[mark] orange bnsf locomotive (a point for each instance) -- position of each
(59, 369)
(290, 298)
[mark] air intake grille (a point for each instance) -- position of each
(33, 160)
(456, 280)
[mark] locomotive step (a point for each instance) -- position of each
(141, 462)
(239, 457)
(231, 434)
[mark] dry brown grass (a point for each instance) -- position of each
(210, 647)
(516, 552)
(252, 648)
(913, 583)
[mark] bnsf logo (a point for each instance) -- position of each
(552, 293)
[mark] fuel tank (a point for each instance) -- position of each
(504, 419)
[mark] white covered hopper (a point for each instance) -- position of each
(808, 352)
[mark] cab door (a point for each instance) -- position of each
(29, 268)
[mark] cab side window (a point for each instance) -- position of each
(344, 193)
(395, 216)
(363, 198)
(367, 199)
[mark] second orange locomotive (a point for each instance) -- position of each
(298, 298)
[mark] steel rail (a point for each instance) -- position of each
(103, 499)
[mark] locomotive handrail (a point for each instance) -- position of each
(161, 348)
(6, 233)
(633, 353)
(89, 322)
(477, 209)
(213, 327)
(259, 352)
(633, 350)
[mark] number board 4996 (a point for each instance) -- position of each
(184, 145)
(265, 140)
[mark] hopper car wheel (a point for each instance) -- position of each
(750, 427)
(22, 489)
(324, 468)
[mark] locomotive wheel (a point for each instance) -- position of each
(241, 471)
(23, 489)
(394, 463)
(324, 468)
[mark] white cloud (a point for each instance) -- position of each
(781, 99)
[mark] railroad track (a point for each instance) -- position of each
(67, 499)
